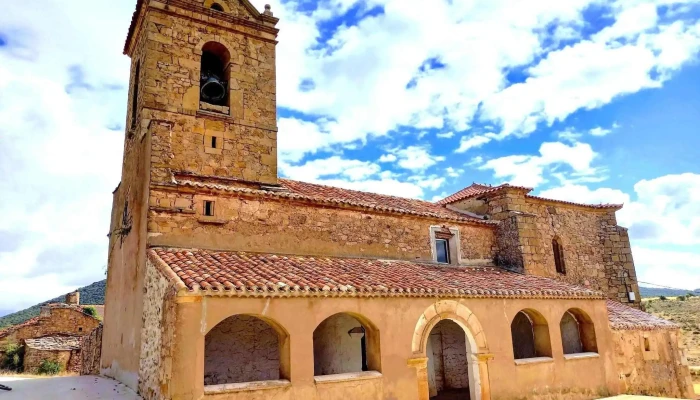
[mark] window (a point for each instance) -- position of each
(80, 329)
(530, 335)
(135, 95)
(217, 7)
(577, 332)
(558, 251)
(647, 345)
(343, 344)
(442, 250)
(214, 74)
(213, 142)
(208, 208)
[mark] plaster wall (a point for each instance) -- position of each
(121, 341)
(395, 320)
(335, 351)
(241, 348)
(258, 224)
(661, 371)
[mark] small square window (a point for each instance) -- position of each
(442, 249)
(647, 344)
(208, 208)
(213, 142)
(80, 329)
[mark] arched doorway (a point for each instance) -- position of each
(464, 336)
(448, 368)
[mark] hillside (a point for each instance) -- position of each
(91, 294)
(686, 313)
(656, 292)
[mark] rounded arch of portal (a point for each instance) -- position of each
(223, 4)
(457, 312)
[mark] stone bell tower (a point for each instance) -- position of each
(201, 109)
(203, 84)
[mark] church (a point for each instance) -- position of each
(226, 281)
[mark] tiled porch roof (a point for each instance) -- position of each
(267, 275)
(623, 317)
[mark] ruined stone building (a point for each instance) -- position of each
(54, 335)
(228, 282)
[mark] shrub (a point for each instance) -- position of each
(681, 298)
(14, 357)
(49, 367)
(689, 295)
(90, 310)
(663, 298)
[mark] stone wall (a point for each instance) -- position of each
(156, 335)
(54, 319)
(241, 349)
(90, 352)
(448, 361)
(268, 225)
(336, 351)
(69, 360)
(596, 250)
(651, 363)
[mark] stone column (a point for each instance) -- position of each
(484, 381)
(421, 366)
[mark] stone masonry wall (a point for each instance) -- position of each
(651, 363)
(90, 352)
(67, 359)
(267, 225)
(156, 335)
(241, 349)
(246, 130)
(596, 250)
(61, 319)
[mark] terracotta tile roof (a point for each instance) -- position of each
(477, 189)
(329, 195)
(10, 329)
(267, 275)
(623, 317)
(54, 343)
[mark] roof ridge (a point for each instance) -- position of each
(359, 191)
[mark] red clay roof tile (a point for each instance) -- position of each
(623, 317)
(254, 274)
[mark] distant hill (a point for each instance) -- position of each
(91, 294)
(656, 292)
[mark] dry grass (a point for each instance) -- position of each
(687, 315)
(4, 373)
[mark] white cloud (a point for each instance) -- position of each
(679, 269)
(598, 131)
(387, 158)
(453, 173)
(445, 135)
(417, 158)
(472, 142)
(529, 170)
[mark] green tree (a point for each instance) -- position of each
(14, 357)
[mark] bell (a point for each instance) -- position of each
(213, 90)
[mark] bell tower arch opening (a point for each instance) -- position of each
(215, 73)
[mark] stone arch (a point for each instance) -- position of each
(530, 335)
(231, 330)
(223, 4)
(455, 311)
(204, 39)
(477, 347)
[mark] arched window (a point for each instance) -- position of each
(343, 344)
(530, 335)
(244, 348)
(217, 7)
(577, 332)
(214, 78)
(558, 251)
(135, 94)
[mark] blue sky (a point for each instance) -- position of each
(583, 100)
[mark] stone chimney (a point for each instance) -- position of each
(73, 298)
